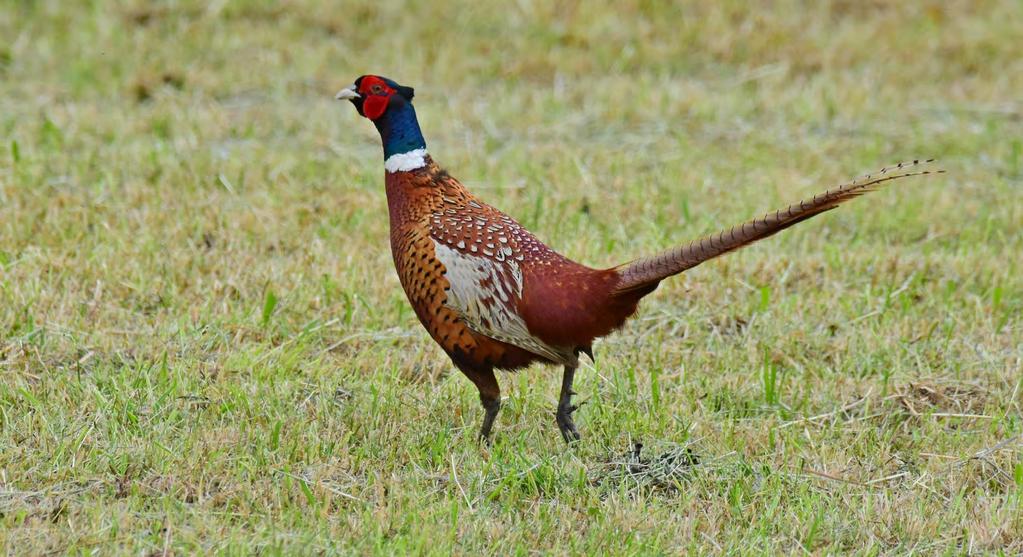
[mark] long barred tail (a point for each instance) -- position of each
(648, 271)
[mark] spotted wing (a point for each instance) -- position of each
(485, 292)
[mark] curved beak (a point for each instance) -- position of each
(348, 93)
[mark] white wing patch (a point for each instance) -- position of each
(484, 292)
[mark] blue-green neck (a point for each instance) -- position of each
(399, 130)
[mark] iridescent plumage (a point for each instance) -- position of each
(495, 297)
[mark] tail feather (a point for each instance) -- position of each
(648, 271)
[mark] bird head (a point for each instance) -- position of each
(374, 95)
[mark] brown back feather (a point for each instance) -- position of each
(648, 271)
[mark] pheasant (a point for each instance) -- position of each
(490, 293)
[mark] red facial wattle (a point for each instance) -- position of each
(374, 106)
(377, 95)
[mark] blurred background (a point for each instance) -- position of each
(198, 311)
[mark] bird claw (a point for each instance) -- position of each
(571, 408)
(565, 423)
(567, 427)
(483, 438)
(570, 435)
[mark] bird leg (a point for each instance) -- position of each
(491, 406)
(565, 407)
(490, 395)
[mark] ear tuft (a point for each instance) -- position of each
(406, 92)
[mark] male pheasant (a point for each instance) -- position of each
(495, 297)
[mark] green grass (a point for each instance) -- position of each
(204, 347)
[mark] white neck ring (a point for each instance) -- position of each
(403, 162)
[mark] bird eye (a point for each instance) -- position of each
(376, 89)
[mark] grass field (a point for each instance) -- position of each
(204, 346)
